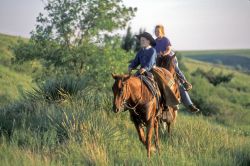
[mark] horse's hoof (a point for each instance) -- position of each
(153, 149)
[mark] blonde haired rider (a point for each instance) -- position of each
(164, 48)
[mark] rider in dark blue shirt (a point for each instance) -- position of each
(146, 56)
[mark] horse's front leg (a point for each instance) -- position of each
(139, 129)
(141, 134)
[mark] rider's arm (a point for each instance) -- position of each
(151, 60)
(168, 47)
(168, 50)
(135, 62)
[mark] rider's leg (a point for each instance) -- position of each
(186, 100)
(181, 76)
(179, 72)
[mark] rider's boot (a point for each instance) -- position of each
(192, 108)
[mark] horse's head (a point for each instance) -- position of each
(119, 91)
(170, 63)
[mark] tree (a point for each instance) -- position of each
(128, 40)
(69, 22)
(137, 43)
(64, 36)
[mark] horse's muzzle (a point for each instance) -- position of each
(115, 109)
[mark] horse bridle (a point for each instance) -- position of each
(124, 100)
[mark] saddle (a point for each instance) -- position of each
(152, 87)
(168, 87)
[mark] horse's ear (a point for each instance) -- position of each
(126, 76)
(173, 56)
(114, 76)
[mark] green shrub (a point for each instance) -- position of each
(213, 78)
(57, 89)
(201, 94)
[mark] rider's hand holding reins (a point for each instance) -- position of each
(129, 71)
(142, 70)
(187, 86)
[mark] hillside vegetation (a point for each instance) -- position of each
(237, 59)
(13, 79)
(68, 120)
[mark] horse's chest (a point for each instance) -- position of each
(140, 117)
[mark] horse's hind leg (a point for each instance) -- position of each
(175, 113)
(156, 126)
(172, 123)
(150, 128)
(170, 131)
(169, 128)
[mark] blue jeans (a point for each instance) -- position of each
(178, 71)
(185, 98)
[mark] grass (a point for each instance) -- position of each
(12, 84)
(96, 136)
(6, 41)
(14, 79)
(229, 100)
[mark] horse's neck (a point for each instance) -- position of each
(138, 91)
(170, 66)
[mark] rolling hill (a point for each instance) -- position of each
(12, 82)
(238, 59)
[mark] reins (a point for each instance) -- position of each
(127, 105)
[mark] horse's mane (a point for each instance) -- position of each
(168, 62)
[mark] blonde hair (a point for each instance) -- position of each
(161, 29)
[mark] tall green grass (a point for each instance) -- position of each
(12, 85)
(84, 131)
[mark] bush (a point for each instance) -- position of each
(202, 96)
(181, 64)
(213, 78)
(57, 90)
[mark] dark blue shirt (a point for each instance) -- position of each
(146, 58)
(162, 44)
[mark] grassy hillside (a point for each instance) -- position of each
(230, 101)
(242, 52)
(238, 59)
(81, 129)
(12, 82)
(6, 41)
(12, 85)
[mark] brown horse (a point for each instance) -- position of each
(130, 93)
(169, 113)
